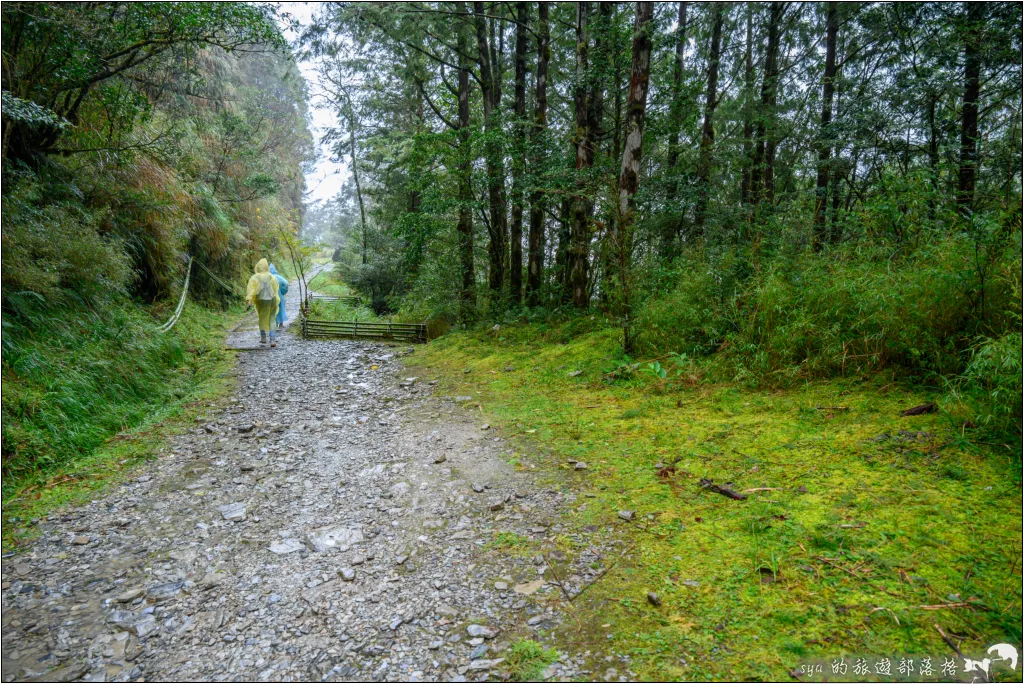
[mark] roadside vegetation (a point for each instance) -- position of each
(861, 528)
(134, 136)
(90, 399)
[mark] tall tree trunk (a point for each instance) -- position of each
(601, 59)
(707, 138)
(468, 292)
(595, 101)
(579, 257)
(494, 157)
(824, 135)
(563, 253)
(835, 227)
(670, 231)
(535, 264)
(355, 177)
(969, 116)
(933, 139)
(762, 180)
(519, 162)
(629, 175)
(608, 257)
(748, 107)
(414, 256)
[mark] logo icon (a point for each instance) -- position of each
(1002, 653)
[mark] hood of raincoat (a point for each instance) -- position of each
(282, 287)
(262, 266)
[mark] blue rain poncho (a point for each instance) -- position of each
(282, 283)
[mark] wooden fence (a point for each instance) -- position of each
(350, 300)
(365, 330)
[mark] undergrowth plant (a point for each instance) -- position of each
(70, 387)
(526, 660)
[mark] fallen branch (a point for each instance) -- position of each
(854, 574)
(719, 489)
(949, 642)
(761, 489)
(560, 585)
(568, 600)
(837, 566)
(918, 410)
(889, 610)
(943, 606)
(603, 572)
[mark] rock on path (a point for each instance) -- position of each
(303, 530)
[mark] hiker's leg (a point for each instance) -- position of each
(264, 312)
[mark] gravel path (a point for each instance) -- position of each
(332, 521)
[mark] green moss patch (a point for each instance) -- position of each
(860, 530)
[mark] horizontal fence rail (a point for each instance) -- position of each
(368, 330)
(352, 300)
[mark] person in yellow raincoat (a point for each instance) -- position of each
(262, 292)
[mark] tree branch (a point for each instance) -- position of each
(445, 120)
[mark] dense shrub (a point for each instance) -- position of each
(74, 377)
(58, 249)
(992, 384)
(846, 312)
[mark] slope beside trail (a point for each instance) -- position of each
(331, 521)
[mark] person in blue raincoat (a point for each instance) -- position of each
(282, 290)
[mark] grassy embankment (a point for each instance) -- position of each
(862, 529)
(87, 396)
(330, 283)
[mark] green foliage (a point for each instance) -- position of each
(992, 383)
(75, 377)
(65, 58)
(526, 659)
(655, 370)
(27, 112)
(848, 312)
(57, 251)
(858, 503)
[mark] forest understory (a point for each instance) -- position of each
(859, 530)
(735, 288)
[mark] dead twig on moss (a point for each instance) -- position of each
(604, 572)
(944, 606)
(560, 585)
(719, 489)
(948, 640)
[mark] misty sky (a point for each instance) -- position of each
(327, 177)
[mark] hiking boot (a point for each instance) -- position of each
(273, 341)
(263, 336)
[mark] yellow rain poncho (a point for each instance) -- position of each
(262, 284)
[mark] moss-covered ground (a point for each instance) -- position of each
(861, 534)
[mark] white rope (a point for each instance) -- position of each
(166, 327)
(216, 279)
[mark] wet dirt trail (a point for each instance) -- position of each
(332, 520)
